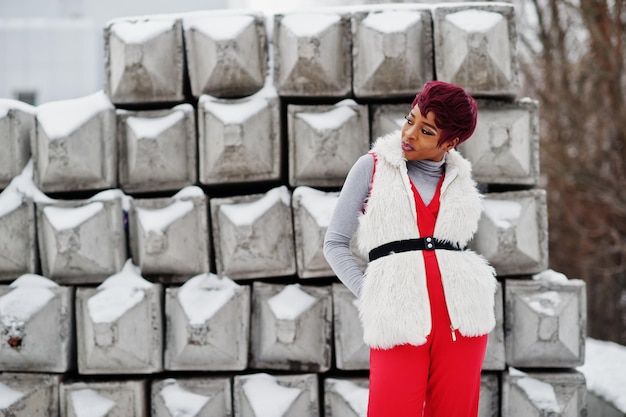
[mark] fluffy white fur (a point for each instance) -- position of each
(394, 304)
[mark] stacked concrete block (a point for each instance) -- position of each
(207, 325)
(16, 123)
(351, 352)
(489, 401)
(29, 395)
(388, 118)
(144, 60)
(119, 325)
(73, 145)
(512, 232)
(325, 141)
(198, 397)
(526, 394)
(259, 395)
(392, 52)
(291, 327)
(82, 241)
(226, 53)
(345, 397)
(253, 235)
(157, 149)
(110, 399)
(495, 359)
(504, 149)
(239, 139)
(36, 326)
(475, 47)
(169, 237)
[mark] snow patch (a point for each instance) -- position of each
(157, 220)
(391, 22)
(355, 396)
(551, 276)
(540, 393)
(180, 402)
(152, 127)
(8, 396)
(330, 120)
(220, 28)
(545, 302)
(141, 31)
(10, 200)
(63, 218)
(312, 24)
(290, 302)
(88, 403)
(320, 204)
(234, 113)
(204, 295)
(266, 397)
(22, 303)
(475, 20)
(502, 212)
(245, 214)
(605, 371)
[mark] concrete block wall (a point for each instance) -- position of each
(167, 234)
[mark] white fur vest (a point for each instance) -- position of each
(394, 304)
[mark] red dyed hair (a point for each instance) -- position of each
(455, 110)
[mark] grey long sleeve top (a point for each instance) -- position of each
(425, 176)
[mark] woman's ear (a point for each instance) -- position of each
(452, 144)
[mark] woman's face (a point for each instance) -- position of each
(420, 136)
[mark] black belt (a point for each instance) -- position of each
(424, 243)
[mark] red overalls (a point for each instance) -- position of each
(440, 378)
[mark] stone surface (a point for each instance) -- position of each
(489, 403)
(290, 327)
(475, 47)
(513, 232)
(73, 145)
(392, 51)
(345, 397)
(157, 149)
(226, 53)
(169, 237)
(29, 395)
(351, 352)
(494, 356)
(110, 399)
(16, 123)
(18, 240)
(259, 395)
(504, 149)
(387, 118)
(197, 397)
(207, 325)
(325, 141)
(312, 54)
(144, 60)
(253, 235)
(239, 139)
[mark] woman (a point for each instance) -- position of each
(425, 302)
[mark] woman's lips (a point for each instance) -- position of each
(406, 147)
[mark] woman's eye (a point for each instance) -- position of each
(408, 120)
(426, 132)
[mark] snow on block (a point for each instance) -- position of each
(239, 139)
(312, 53)
(144, 60)
(207, 325)
(528, 394)
(74, 146)
(513, 232)
(36, 326)
(18, 241)
(392, 52)
(226, 52)
(475, 47)
(100, 399)
(264, 395)
(119, 326)
(387, 118)
(253, 235)
(504, 148)
(197, 397)
(291, 327)
(169, 237)
(324, 142)
(494, 355)
(350, 351)
(82, 241)
(157, 149)
(29, 394)
(16, 122)
(547, 322)
(345, 397)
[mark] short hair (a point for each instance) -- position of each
(455, 110)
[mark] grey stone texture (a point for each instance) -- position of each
(387, 118)
(345, 397)
(489, 402)
(169, 237)
(18, 240)
(110, 398)
(144, 60)
(36, 326)
(73, 145)
(475, 47)
(312, 54)
(291, 327)
(157, 149)
(207, 325)
(351, 353)
(16, 123)
(239, 139)
(29, 394)
(325, 141)
(513, 232)
(258, 395)
(504, 148)
(392, 51)
(253, 235)
(495, 354)
(546, 323)
(82, 241)
(197, 397)
(226, 53)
